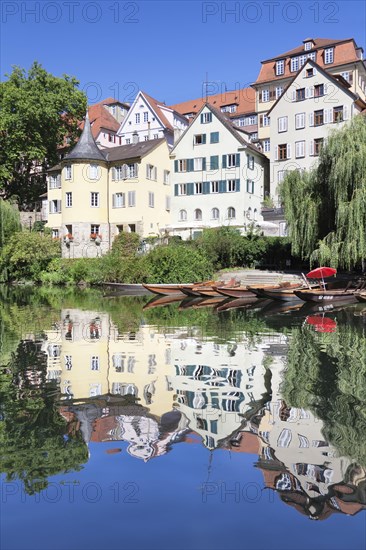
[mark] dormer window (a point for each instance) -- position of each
(228, 108)
(309, 45)
(328, 56)
(280, 67)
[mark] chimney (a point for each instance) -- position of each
(135, 137)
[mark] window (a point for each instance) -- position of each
(132, 198)
(198, 164)
(94, 199)
(280, 67)
(282, 124)
(309, 72)
(279, 91)
(94, 362)
(231, 213)
(347, 76)
(318, 90)
(214, 186)
(231, 186)
(111, 138)
(68, 172)
(264, 120)
(318, 144)
(206, 118)
(55, 233)
(253, 136)
(146, 116)
(214, 163)
(119, 200)
(55, 207)
(215, 214)
(137, 118)
(182, 189)
(94, 229)
(299, 121)
(151, 172)
(128, 141)
(131, 170)
(318, 117)
(166, 177)
(151, 200)
(265, 95)
(231, 161)
(199, 139)
(281, 175)
(93, 171)
(214, 137)
(294, 65)
(338, 114)
(55, 181)
(328, 55)
(167, 202)
(182, 215)
(282, 151)
(229, 108)
(198, 188)
(250, 186)
(266, 145)
(181, 165)
(198, 214)
(156, 136)
(250, 162)
(146, 138)
(68, 200)
(300, 94)
(308, 45)
(299, 149)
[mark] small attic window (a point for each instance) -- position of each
(308, 45)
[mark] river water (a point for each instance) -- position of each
(127, 423)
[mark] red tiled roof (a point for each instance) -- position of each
(244, 98)
(344, 52)
(155, 105)
(100, 118)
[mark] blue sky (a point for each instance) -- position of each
(165, 48)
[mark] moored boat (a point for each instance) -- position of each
(320, 295)
(361, 296)
(283, 292)
(167, 289)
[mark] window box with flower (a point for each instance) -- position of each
(96, 237)
(68, 238)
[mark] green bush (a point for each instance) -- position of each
(26, 255)
(177, 264)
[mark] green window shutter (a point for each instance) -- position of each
(214, 162)
(190, 165)
(214, 138)
(206, 187)
(202, 118)
(209, 117)
(175, 166)
(190, 188)
(237, 160)
(222, 186)
(237, 185)
(224, 161)
(203, 139)
(175, 188)
(204, 163)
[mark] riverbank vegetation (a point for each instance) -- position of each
(36, 257)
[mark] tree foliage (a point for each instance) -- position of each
(9, 220)
(26, 255)
(37, 112)
(326, 208)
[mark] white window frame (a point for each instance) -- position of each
(198, 164)
(151, 199)
(146, 116)
(265, 95)
(282, 124)
(215, 214)
(182, 189)
(94, 199)
(266, 120)
(119, 200)
(68, 199)
(280, 67)
(182, 215)
(197, 215)
(231, 213)
(93, 171)
(266, 145)
(198, 188)
(231, 160)
(250, 186)
(182, 165)
(151, 172)
(294, 64)
(328, 56)
(300, 149)
(231, 186)
(206, 118)
(299, 121)
(137, 118)
(68, 172)
(131, 199)
(214, 186)
(279, 91)
(166, 177)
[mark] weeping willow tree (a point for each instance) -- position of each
(325, 208)
(9, 220)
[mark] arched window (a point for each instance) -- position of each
(215, 214)
(182, 215)
(198, 214)
(231, 213)
(249, 213)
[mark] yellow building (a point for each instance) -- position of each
(95, 194)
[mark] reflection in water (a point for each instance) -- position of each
(273, 393)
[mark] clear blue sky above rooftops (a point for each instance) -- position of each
(166, 48)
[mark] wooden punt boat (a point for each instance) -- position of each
(324, 296)
(159, 301)
(282, 291)
(209, 289)
(361, 296)
(167, 289)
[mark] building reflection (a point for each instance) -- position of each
(152, 389)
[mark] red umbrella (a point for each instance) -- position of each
(322, 324)
(321, 272)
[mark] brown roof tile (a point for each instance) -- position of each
(344, 52)
(244, 98)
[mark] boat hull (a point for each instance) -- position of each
(167, 290)
(326, 296)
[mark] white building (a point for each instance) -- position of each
(219, 177)
(313, 104)
(150, 119)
